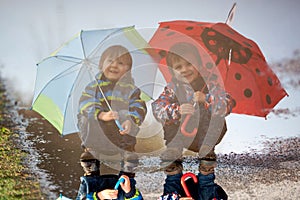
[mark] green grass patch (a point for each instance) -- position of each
(16, 181)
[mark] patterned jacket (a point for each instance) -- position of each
(123, 96)
(218, 104)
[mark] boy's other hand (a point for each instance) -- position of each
(126, 126)
(108, 194)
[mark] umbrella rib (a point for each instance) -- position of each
(70, 58)
(82, 46)
(70, 92)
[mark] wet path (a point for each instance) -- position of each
(272, 173)
(58, 157)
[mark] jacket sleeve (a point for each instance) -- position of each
(218, 102)
(166, 108)
(134, 194)
(89, 105)
(137, 107)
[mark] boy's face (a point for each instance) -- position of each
(114, 68)
(184, 70)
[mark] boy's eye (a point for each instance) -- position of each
(177, 67)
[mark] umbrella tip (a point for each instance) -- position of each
(231, 14)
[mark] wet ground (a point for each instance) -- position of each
(271, 173)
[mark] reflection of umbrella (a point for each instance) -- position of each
(245, 73)
(62, 77)
(183, 182)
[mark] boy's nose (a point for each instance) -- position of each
(184, 68)
(113, 63)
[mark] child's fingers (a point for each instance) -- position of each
(126, 184)
(114, 115)
(199, 97)
(108, 194)
(126, 126)
(187, 109)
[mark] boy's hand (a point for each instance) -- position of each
(108, 116)
(126, 126)
(199, 97)
(126, 184)
(186, 109)
(108, 194)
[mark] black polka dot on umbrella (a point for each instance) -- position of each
(238, 76)
(233, 103)
(165, 28)
(189, 28)
(248, 93)
(162, 53)
(213, 77)
(268, 99)
(209, 65)
(170, 33)
(270, 81)
(258, 72)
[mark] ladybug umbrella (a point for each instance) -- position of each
(232, 59)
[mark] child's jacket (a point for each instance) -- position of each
(123, 97)
(166, 110)
(93, 184)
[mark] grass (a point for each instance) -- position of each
(16, 181)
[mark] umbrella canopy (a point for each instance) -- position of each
(62, 77)
(236, 61)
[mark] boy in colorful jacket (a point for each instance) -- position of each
(190, 95)
(96, 186)
(110, 98)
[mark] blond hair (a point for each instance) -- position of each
(177, 52)
(116, 52)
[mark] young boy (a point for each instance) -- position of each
(112, 96)
(189, 95)
(96, 186)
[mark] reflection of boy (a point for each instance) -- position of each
(97, 186)
(113, 88)
(188, 94)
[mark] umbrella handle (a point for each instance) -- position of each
(121, 180)
(182, 180)
(119, 125)
(183, 131)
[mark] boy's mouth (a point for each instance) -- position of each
(113, 71)
(187, 75)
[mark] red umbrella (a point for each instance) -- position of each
(227, 54)
(183, 183)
